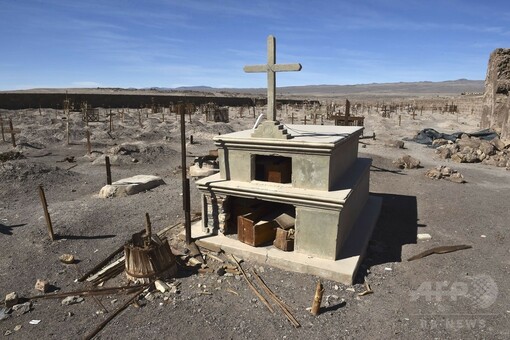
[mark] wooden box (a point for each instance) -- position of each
(283, 240)
(255, 232)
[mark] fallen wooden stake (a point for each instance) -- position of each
(114, 314)
(253, 288)
(277, 300)
(439, 250)
(317, 299)
(46, 213)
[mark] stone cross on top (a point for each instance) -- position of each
(271, 68)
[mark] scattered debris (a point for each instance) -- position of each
(444, 172)
(34, 322)
(368, 289)
(277, 300)
(407, 162)
(439, 250)
(71, 300)
(22, 308)
(423, 237)
(66, 258)
(394, 144)
(11, 299)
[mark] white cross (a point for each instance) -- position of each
(271, 68)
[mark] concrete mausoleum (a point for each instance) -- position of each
(311, 173)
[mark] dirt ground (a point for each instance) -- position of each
(458, 295)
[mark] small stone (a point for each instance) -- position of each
(34, 322)
(66, 258)
(483, 236)
(161, 286)
(17, 328)
(424, 236)
(335, 287)
(350, 289)
(220, 271)
(11, 299)
(7, 333)
(113, 301)
(41, 285)
(388, 269)
(71, 300)
(22, 308)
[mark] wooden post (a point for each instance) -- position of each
(148, 230)
(108, 170)
(347, 112)
(89, 148)
(46, 213)
(2, 128)
(185, 180)
(163, 116)
(191, 139)
(292, 117)
(304, 120)
(140, 118)
(13, 139)
(317, 299)
(399, 119)
(111, 123)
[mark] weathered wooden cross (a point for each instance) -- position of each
(271, 68)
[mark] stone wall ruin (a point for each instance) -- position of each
(496, 99)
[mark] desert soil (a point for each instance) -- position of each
(459, 295)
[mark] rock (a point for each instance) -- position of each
(445, 153)
(457, 178)
(66, 258)
(130, 186)
(394, 143)
(407, 162)
(161, 286)
(71, 300)
(22, 308)
(423, 237)
(196, 171)
(220, 271)
(439, 142)
(4, 313)
(17, 328)
(498, 144)
(458, 157)
(41, 285)
(473, 143)
(11, 299)
(487, 148)
(7, 333)
(445, 172)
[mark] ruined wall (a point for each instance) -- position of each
(496, 99)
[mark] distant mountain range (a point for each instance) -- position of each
(401, 89)
(450, 87)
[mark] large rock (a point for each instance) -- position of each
(496, 99)
(130, 186)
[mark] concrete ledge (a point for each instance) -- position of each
(130, 186)
(342, 270)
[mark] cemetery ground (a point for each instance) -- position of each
(462, 294)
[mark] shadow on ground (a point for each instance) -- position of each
(397, 225)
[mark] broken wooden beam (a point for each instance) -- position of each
(439, 250)
(317, 299)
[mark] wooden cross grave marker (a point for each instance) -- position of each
(271, 68)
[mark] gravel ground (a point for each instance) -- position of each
(459, 295)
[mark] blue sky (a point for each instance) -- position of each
(167, 43)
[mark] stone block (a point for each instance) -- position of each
(130, 186)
